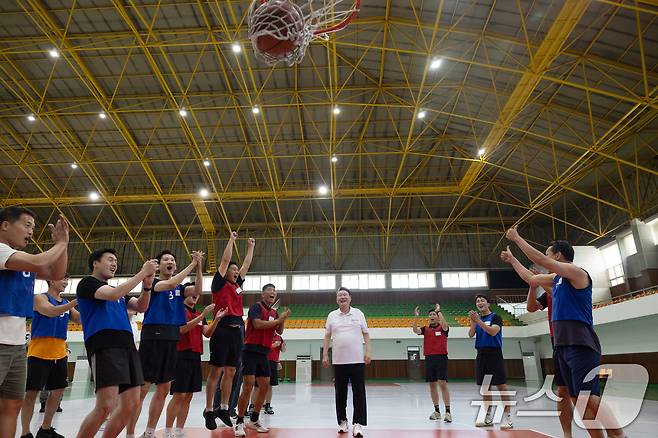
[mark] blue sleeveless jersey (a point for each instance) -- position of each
(166, 307)
(47, 327)
(97, 315)
(484, 339)
(17, 293)
(571, 304)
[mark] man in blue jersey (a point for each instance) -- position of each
(487, 327)
(17, 273)
(47, 355)
(108, 338)
(161, 331)
(577, 347)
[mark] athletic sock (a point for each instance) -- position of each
(178, 431)
(240, 420)
(447, 408)
(167, 430)
(437, 408)
(223, 407)
(254, 417)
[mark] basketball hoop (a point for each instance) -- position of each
(280, 30)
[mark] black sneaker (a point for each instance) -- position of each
(29, 435)
(209, 416)
(223, 415)
(250, 409)
(233, 414)
(48, 433)
(43, 408)
(268, 409)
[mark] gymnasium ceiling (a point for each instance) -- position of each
(560, 96)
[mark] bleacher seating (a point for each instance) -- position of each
(390, 315)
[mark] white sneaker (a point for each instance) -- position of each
(343, 427)
(256, 426)
(238, 430)
(357, 430)
(447, 417)
(506, 422)
(435, 415)
(179, 433)
(169, 434)
(488, 421)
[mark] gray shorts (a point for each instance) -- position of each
(13, 371)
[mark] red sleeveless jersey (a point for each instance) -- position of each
(263, 337)
(435, 340)
(228, 295)
(192, 340)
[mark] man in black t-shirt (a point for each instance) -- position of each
(108, 337)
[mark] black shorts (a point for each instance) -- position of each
(116, 367)
(188, 373)
(274, 373)
(158, 360)
(490, 362)
(558, 380)
(226, 347)
(436, 367)
(46, 374)
(576, 362)
(255, 364)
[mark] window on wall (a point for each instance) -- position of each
(466, 279)
(363, 281)
(612, 263)
(413, 280)
(654, 230)
(254, 283)
(628, 243)
(314, 282)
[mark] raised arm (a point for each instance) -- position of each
(228, 253)
(476, 321)
(109, 293)
(177, 279)
(532, 304)
(414, 325)
(48, 265)
(523, 272)
(472, 319)
(44, 307)
(442, 321)
(566, 270)
(248, 257)
(194, 321)
(197, 289)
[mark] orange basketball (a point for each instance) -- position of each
(273, 46)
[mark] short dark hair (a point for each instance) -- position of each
(96, 256)
(233, 262)
(14, 213)
(433, 309)
(345, 289)
(563, 247)
(486, 298)
(164, 253)
(269, 285)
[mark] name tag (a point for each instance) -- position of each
(238, 290)
(200, 322)
(437, 333)
(177, 292)
(271, 318)
(487, 323)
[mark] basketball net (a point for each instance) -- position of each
(285, 20)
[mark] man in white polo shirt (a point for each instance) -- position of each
(348, 329)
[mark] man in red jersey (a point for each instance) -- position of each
(226, 343)
(435, 348)
(263, 322)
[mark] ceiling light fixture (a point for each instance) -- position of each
(74, 166)
(203, 193)
(102, 115)
(255, 110)
(94, 196)
(421, 114)
(336, 110)
(206, 162)
(31, 118)
(323, 190)
(436, 63)
(182, 112)
(481, 152)
(53, 53)
(334, 159)
(236, 48)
